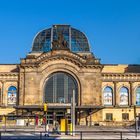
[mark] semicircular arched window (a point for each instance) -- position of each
(138, 96)
(12, 95)
(59, 88)
(124, 96)
(108, 96)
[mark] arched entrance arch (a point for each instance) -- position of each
(61, 82)
(49, 70)
(59, 87)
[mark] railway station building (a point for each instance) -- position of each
(60, 63)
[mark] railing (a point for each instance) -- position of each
(79, 135)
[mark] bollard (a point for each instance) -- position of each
(40, 135)
(81, 135)
(121, 135)
(70, 128)
(136, 133)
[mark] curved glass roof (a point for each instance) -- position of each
(61, 36)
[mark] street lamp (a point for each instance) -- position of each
(136, 120)
(73, 112)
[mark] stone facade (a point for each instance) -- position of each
(34, 71)
(30, 76)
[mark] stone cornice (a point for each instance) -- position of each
(121, 76)
(31, 62)
(59, 57)
(9, 76)
(60, 53)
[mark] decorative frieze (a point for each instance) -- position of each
(121, 77)
(76, 59)
(9, 76)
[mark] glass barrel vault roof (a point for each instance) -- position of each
(76, 40)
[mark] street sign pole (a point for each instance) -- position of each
(45, 112)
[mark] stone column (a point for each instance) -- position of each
(114, 94)
(2, 93)
(131, 94)
(117, 95)
(21, 87)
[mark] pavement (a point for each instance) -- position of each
(83, 132)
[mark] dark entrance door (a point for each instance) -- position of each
(55, 116)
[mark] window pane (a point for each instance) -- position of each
(125, 116)
(107, 93)
(75, 40)
(138, 96)
(109, 116)
(79, 42)
(12, 95)
(123, 96)
(42, 41)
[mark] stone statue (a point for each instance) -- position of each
(60, 43)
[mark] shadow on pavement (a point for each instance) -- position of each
(28, 138)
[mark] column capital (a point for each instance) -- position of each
(115, 82)
(131, 82)
(3, 81)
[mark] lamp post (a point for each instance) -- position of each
(73, 112)
(135, 112)
(136, 120)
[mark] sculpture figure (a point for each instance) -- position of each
(60, 43)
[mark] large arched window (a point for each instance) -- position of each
(108, 96)
(138, 96)
(59, 88)
(124, 95)
(12, 95)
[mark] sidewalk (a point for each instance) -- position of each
(83, 132)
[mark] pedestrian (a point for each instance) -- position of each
(47, 131)
(57, 128)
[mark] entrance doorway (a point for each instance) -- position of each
(56, 116)
(58, 91)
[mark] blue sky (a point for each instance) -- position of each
(112, 26)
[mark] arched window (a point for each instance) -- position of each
(59, 88)
(108, 96)
(12, 95)
(138, 96)
(124, 96)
